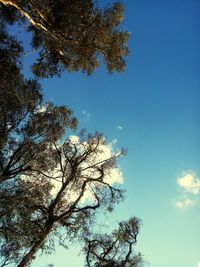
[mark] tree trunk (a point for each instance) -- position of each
(29, 256)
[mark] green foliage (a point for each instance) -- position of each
(74, 35)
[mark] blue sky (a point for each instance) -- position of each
(152, 110)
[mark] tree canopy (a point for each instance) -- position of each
(72, 35)
(52, 183)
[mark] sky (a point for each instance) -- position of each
(153, 110)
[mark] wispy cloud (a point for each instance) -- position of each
(86, 115)
(119, 127)
(185, 203)
(114, 141)
(190, 182)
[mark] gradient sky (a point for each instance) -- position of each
(152, 110)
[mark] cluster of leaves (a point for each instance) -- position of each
(52, 185)
(72, 34)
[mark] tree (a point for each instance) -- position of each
(71, 34)
(66, 196)
(52, 184)
(115, 250)
(80, 185)
(25, 132)
(24, 129)
(49, 183)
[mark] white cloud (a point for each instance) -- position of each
(74, 139)
(185, 203)
(189, 185)
(41, 108)
(105, 152)
(190, 182)
(119, 127)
